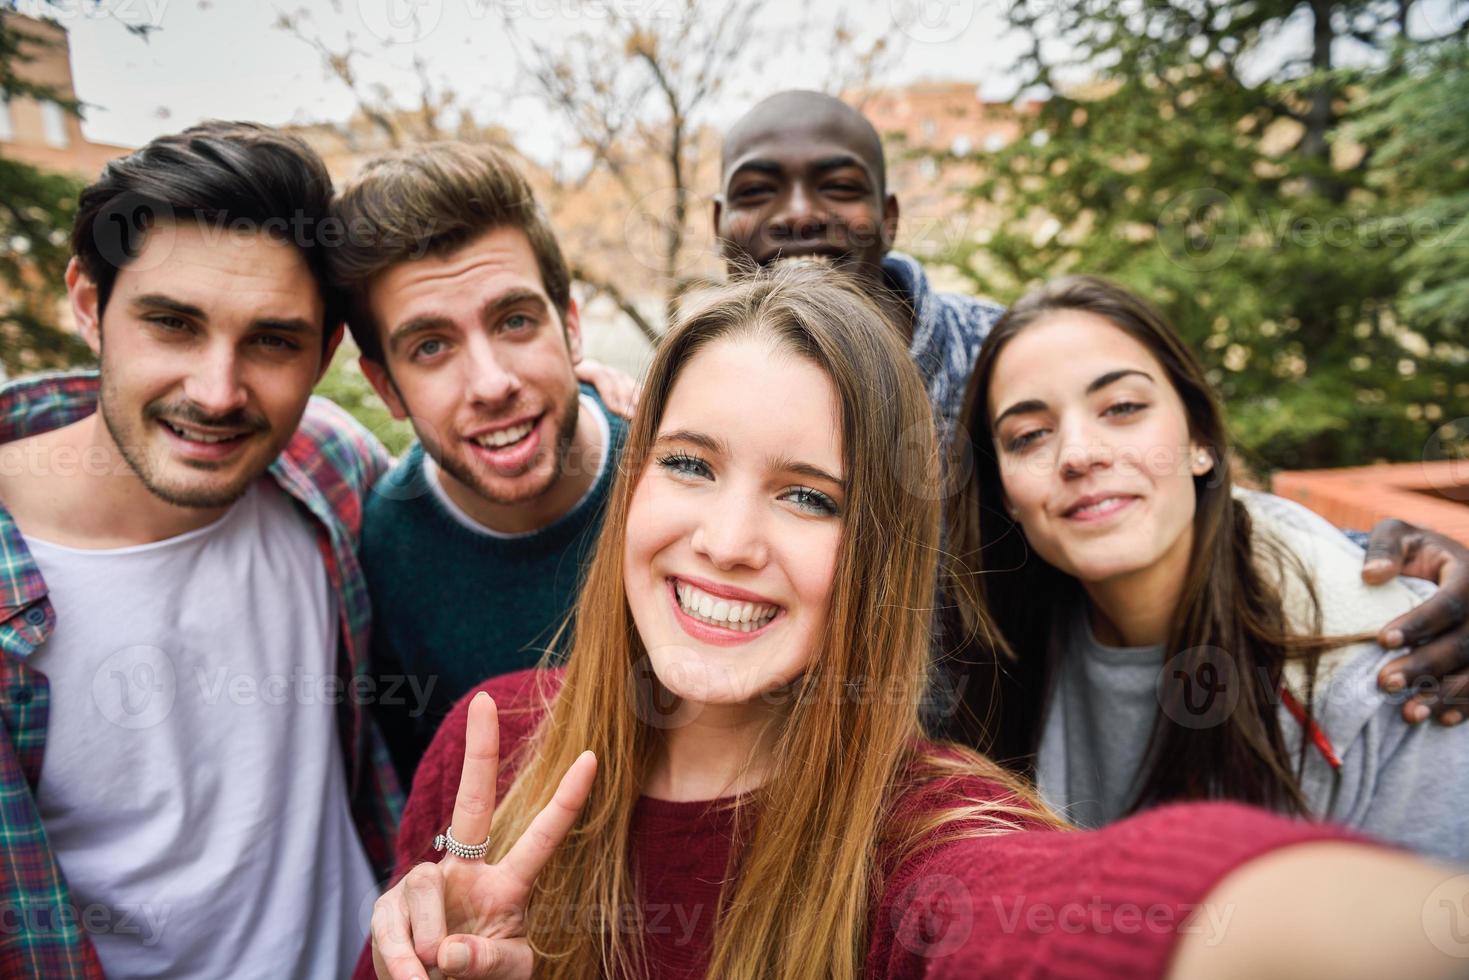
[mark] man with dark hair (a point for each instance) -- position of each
(461, 304)
(184, 760)
(803, 178)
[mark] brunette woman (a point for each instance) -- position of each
(1146, 631)
(758, 801)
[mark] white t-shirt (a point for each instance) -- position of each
(193, 788)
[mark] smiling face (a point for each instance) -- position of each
(806, 188)
(479, 360)
(735, 523)
(1094, 448)
(210, 345)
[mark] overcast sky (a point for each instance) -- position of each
(225, 58)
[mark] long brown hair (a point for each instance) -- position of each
(798, 905)
(1230, 613)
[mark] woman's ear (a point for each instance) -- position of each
(1201, 460)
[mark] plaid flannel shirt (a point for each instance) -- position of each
(328, 467)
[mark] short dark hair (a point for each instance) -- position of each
(227, 174)
(430, 200)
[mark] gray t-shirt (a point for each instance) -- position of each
(1402, 783)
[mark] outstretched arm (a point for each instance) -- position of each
(1336, 910)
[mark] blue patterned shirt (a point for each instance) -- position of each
(948, 329)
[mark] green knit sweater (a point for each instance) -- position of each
(453, 606)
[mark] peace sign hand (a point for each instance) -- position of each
(467, 918)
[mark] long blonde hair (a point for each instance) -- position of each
(850, 745)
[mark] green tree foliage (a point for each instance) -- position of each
(36, 211)
(345, 384)
(1263, 196)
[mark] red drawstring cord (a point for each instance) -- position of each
(1318, 737)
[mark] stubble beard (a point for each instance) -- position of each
(565, 435)
(132, 447)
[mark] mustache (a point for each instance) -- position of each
(194, 415)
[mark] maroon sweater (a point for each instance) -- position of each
(1039, 903)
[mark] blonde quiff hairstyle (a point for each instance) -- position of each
(850, 742)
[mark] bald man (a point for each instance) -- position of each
(803, 178)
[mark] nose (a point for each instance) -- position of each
(800, 214)
(214, 385)
(1082, 449)
(490, 382)
(731, 532)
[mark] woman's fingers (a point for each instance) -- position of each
(550, 827)
(393, 956)
(478, 958)
(423, 892)
(474, 806)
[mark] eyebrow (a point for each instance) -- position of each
(787, 465)
(720, 448)
(520, 296)
(774, 169)
(158, 301)
(1100, 382)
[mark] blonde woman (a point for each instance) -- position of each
(729, 780)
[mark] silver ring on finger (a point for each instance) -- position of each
(470, 852)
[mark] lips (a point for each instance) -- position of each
(1097, 506)
(203, 442)
(719, 614)
(510, 448)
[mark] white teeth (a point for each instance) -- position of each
(199, 436)
(1089, 508)
(505, 437)
(824, 261)
(741, 616)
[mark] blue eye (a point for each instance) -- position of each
(428, 348)
(684, 465)
(812, 500)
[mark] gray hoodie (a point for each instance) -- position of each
(1401, 783)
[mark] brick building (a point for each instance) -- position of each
(42, 133)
